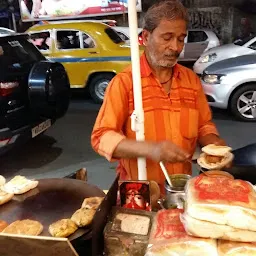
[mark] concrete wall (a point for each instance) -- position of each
(217, 19)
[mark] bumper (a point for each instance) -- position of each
(217, 94)
(10, 138)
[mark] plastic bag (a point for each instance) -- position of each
(227, 248)
(222, 200)
(168, 237)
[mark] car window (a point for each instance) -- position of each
(15, 53)
(113, 35)
(41, 40)
(123, 36)
(68, 39)
(87, 41)
(253, 46)
(196, 36)
(243, 41)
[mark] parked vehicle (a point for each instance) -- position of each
(6, 31)
(34, 92)
(92, 52)
(231, 84)
(197, 42)
(238, 48)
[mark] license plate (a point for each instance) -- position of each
(40, 128)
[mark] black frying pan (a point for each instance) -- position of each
(52, 200)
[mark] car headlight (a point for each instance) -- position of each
(212, 79)
(208, 58)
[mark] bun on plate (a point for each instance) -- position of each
(215, 157)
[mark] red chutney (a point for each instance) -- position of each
(222, 188)
(169, 225)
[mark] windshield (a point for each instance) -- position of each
(113, 35)
(243, 41)
(17, 52)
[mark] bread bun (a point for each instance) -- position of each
(215, 150)
(213, 166)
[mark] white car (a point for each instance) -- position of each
(238, 48)
(6, 31)
(197, 41)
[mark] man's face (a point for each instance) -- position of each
(165, 43)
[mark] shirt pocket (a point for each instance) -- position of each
(189, 122)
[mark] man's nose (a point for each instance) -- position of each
(173, 44)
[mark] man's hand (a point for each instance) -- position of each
(168, 152)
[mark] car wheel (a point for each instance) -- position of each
(49, 89)
(98, 86)
(243, 103)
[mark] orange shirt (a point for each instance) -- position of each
(182, 116)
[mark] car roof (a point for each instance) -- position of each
(13, 36)
(88, 25)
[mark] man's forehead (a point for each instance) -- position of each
(169, 26)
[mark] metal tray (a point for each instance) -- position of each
(52, 200)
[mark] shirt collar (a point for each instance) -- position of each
(146, 69)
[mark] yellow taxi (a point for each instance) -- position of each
(92, 52)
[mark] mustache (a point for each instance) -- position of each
(172, 54)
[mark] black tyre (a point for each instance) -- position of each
(98, 85)
(49, 89)
(243, 103)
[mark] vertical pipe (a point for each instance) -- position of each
(137, 90)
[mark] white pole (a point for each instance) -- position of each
(138, 114)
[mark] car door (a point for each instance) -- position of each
(195, 45)
(78, 52)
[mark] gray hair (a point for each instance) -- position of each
(164, 10)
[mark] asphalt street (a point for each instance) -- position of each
(65, 147)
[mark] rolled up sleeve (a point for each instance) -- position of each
(107, 132)
(206, 126)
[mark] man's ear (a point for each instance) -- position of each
(145, 36)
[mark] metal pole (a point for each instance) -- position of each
(14, 22)
(138, 114)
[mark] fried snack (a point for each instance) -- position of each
(24, 227)
(62, 228)
(83, 217)
(92, 202)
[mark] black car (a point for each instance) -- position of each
(34, 92)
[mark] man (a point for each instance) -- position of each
(177, 115)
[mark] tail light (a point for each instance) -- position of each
(7, 88)
(140, 40)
